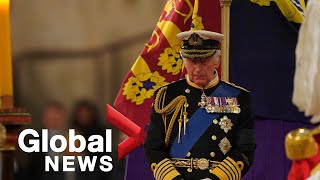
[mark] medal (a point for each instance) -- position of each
(219, 104)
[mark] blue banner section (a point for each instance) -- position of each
(194, 128)
(262, 58)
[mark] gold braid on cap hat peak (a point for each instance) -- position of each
(177, 104)
(199, 53)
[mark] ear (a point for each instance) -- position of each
(217, 60)
(184, 60)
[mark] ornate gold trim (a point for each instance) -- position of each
(225, 2)
(236, 86)
(228, 169)
(3, 135)
(7, 148)
(195, 163)
(164, 170)
(300, 144)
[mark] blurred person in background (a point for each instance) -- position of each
(53, 119)
(86, 121)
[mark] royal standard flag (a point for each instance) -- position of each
(158, 64)
(293, 10)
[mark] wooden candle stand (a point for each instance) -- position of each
(11, 120)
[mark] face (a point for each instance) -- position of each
(201, 72)
(84, 116)
(54, 118)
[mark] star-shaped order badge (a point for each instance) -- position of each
(225, 124)
(225, 145)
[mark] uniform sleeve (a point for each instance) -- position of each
(240, 157)
(157, 152)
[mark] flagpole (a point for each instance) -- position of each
(225, 29)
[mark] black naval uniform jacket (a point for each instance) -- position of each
(233, 165)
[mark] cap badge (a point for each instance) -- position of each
(195, 39)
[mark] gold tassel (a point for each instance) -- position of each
(185, 119)
(180, 125)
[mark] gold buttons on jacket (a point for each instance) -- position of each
(215, 121)
(212, 154)
(214, 137)
(187, 90)
(188, 154)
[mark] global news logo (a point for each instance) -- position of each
(74, 143)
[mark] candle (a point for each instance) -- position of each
(6, 88)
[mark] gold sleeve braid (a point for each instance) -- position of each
(165, 170)
(228, 169)
(175, 106)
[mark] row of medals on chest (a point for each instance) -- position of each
(217, 105)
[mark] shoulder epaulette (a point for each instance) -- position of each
(162, 86)
(159, 94)
(232, 84)
(166, 85)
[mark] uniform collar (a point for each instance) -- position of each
(212, 83)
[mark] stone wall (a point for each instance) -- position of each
(67, 50)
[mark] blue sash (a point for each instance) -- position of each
(198, 124)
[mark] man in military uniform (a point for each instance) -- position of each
(200, 127)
